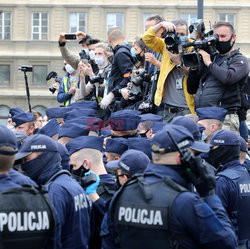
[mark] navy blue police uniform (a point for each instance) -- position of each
(157, 210)
(7, 138)
(73, 209)
(233, 181)
(106, 187)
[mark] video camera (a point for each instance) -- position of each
(57, 79)
(25, 68)
(206, 41)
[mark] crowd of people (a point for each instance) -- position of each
(144, 151)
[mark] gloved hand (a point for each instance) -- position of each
(199, 173)
(91, 189)
(106, 100)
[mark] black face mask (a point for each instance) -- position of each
(224, 154)
(143, 134)
(224, 47)
(79, 172)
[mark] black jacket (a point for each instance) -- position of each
(121, 70)
(219, 85)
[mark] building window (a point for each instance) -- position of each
(5, 25)
(39, 75)
(4, 75)
(115, 19)
(227, 18)
(189, 18)
(40, 26)
(77, 22)
(4, 112)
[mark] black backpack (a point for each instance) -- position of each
(26, 218)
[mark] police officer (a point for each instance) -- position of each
(8, 149)
(115, 147)
(131, 162)
(26, 215)
(232, 183)
(42, 162)
(86, 158)
(212, 119)
(124, 123)
(157, 210)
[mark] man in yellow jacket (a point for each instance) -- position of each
(172, 82)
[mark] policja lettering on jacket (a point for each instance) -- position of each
(24, 221)
(144, 216)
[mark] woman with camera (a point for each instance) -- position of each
(139, 85)
(94, 89)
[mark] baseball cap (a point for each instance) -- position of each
(7, 138)
(36, 143)
(225, 137)
(131, 162)
(182, 137)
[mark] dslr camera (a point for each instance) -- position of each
(84, 57)
(172, 41)
(135, 88)
(57, 79)
(99, 78)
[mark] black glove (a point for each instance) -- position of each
(199, 173)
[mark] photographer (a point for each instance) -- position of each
(67, 88)
(218, 82)
(96, 85)
(171, 85)
(122, 66)
(140, 80)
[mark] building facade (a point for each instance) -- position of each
(29, 32)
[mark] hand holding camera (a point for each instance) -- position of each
(125, 93)
(206, 57)
(168, 26)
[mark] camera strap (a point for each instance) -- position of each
(230, 55)
(154, 81)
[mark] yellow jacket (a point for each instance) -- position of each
(158, 45)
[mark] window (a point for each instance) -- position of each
(227, 18)
(77, 22)
(114, 19)
(189, 18)
(5, 25)
(4, 112)
(39, 26)
(4, 75)
(39, 75)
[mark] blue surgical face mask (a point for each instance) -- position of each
(20, 135)
(183, 38)
(132, 50)
(203, 136)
